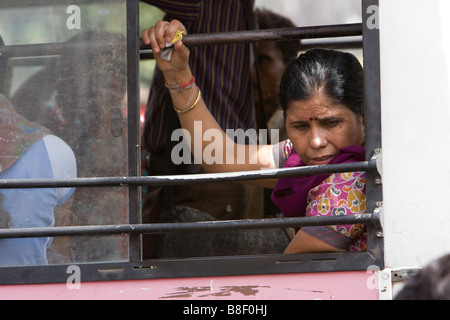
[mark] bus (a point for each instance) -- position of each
(85, 69)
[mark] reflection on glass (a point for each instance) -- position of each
(73, 86)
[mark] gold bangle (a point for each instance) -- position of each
(192, 106)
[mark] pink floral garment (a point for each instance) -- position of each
(339, 195)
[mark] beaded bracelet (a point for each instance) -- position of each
(181, 87)
(192, 106)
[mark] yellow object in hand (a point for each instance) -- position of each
(166, 54)
(178, 36)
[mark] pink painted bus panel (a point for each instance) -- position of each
(323, 286)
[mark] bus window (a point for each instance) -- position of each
(68, 73)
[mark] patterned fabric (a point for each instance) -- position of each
(17, 134)
(222, 72)
(340, 195)
(336, 195)
(281, 152)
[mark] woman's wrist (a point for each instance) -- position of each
(178, 78)
(189, 105)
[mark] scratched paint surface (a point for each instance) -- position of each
(207, 292)
(318, 286)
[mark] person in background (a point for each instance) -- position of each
(79, 97)
(91, 86)
(30, 151)
(223, 74)
(431, 283)
(273, 57)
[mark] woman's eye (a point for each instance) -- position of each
(332, 123)
(301, 126)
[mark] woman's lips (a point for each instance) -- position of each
(319, 161)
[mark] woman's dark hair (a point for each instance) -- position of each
(337, 74)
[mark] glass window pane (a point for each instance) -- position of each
(64, 76)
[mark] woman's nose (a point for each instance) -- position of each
(318, 139)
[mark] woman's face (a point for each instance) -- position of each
(319, 128)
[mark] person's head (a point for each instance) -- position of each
(273, 58)
(322, 95)
(91, 82)
(431, 283)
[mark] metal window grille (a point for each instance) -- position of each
(135, 268)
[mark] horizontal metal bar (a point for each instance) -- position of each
(163, 228)
(305, 46)
(186, 179)
(55, 49)
(284, 34)
(31, 61)
(205, 39)
(27, 3)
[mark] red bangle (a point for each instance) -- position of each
(182, 86)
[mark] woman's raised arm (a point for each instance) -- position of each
(218, 152)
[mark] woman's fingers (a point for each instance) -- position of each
(158, 36)
(162, 33)
(149, 38)
(172, 28)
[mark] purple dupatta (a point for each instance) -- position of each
(291, 194)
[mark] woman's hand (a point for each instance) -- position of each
(157, 37)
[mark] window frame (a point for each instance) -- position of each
(136, 268)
